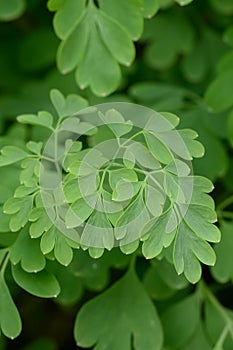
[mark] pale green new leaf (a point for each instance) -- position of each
(20, 209)
(43, 118)
(67, 106)
(135, 319)
(116, 122)
(11, 154)
(40, 222)
(21, 251)
(35, 147)
(125, 190)
(121, 174)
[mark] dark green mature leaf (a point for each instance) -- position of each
(163, 50)
(218, 324)
(10, 321)
(161, 280)
(223, 271)
(11, 9)
(180, 322)
(127, 305)
(219, 94)
(41, 284)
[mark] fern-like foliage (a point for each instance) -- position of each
(98, 36)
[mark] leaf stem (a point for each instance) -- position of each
(225, 203)
(218, 306)
(5, 262)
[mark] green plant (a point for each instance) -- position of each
(100, 210)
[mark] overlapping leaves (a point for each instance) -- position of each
(96, 39)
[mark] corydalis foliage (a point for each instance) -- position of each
(131, 182)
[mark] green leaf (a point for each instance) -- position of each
(116, 122)
(40, 222)
(188, 250)
(191, 228)
(156, 235)
(9, 316)
(121, 174)
(223, 271)
(155, 285)
(20, 209)
(128, 14)
(116, 39)
(98, 233)
(163, 51)
(228, 36)
(11, 9)
(215, 323)
(199, 340)
(67, 106)
(69, 14)
(99, 69)
(135, 318)
(176, 322)
(71, 285)
(125, 190)
(54, 5)
(183, 2)
(80, 210)
(159, 150)
(218, 96)
(42, 119)
(41, 284)
(62, 251)
(225, 8)
(154, 200)
(76, 42)
(150, 7)
(137, 153)
(22, 249)
(11, 154)
(34, 147)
